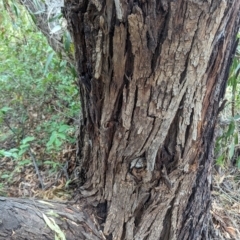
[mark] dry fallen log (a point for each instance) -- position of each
(38, 219)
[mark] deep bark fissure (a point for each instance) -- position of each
(160, 39)
(151, 76)
(166, 233)
(189, 127)
(208, 148)
(151, 66)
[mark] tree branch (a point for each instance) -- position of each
(30, 219)
(46, 16)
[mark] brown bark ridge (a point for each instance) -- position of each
(43, 220)
(151, 74)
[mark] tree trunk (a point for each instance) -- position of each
(151, 74)
(151, 77)
(23, 219)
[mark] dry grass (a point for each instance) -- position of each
(226, 203)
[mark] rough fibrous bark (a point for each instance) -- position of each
(23, 219)
(151, 76)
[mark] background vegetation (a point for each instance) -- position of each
(39, 105)
(227, 146)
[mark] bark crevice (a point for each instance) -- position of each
(152, 100)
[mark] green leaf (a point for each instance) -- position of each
(231, 129)
(236, 138)
(5, 153)
(24, 162)
(67, 41)
(16, 10)
(63, 128)
(15, 155)
(13, 150)
(5, 109)
(27, 139)
(49, 59)
(58, 16)
(58, 143)
(219, 160)
(73, 71)
(24, 146)
(62, 136)
(231, 150)
(22, 151)
(33, 17)
(54, 227)
(52, 138)
(48, 162)
(4, 176)
(238, 162)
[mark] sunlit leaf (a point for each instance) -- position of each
(28, 139)
(54, 227)
(5, 153)
(219, 160)
(63, 128)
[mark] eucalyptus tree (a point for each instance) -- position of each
(152, 75)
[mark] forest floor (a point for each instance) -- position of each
(36, 179)
(24, 182)
(226, 202)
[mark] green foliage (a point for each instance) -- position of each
(59, 134)
(225, 144)
(228, 142)
(38, 94)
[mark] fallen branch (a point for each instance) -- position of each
(37, 219)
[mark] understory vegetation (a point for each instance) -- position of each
(39, 109)
(39, 115)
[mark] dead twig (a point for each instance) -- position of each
(36, 168)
